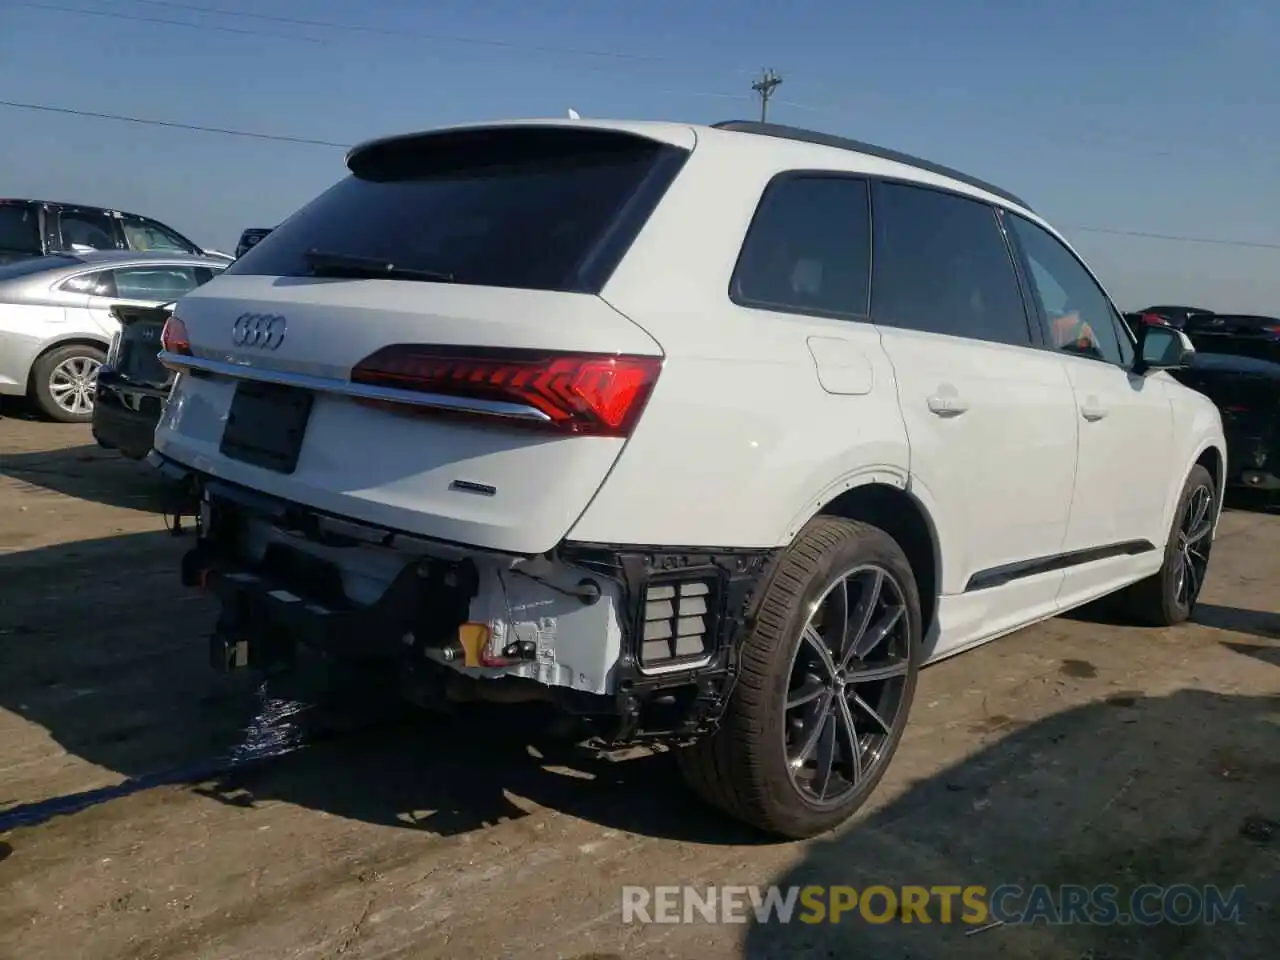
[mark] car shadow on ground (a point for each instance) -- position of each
(17, 408)
(1181, 789)
(102, 647)
(1110, 610)
(1252, 501)
(90, 472)
(103, 651)
(1258, 623)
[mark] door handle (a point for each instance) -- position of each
(1092, 410)
(947, 406)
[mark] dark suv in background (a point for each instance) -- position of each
(1182, 318)
(249, 239)
(38, 228)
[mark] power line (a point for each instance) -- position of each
(1212, 241)
(623, 62)
(138, 18)
(404, 33)
(311, 141)
(146, 121)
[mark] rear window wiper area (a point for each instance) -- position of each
(325, 263)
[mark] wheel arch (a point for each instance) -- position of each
(1210, 453)
(74, 340)
(1214, 460)
(901, 515)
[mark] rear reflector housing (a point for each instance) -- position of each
(574, 393)
(678, 618)
(174, 339)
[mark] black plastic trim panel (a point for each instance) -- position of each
(1006, 573)
(686, 703)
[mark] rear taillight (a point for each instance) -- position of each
(1274, 331)
(174, 339)
(1155, 319)
(578, 393)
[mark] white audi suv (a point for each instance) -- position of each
(713, 435)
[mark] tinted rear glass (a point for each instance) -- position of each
(537, 208)
(19, 229)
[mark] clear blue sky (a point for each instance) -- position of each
(1148, 115)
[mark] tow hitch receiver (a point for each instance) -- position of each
(249, 633)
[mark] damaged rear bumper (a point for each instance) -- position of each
(643, 638)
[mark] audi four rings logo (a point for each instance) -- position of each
(263, 331)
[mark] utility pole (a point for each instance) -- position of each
(765, 86)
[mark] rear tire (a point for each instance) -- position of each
(1169, 596)
(63, 382)
(783, 759)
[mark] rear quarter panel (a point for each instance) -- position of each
(740, 443)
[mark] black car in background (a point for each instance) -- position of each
(250, 238)
(1246, 391)
(1241, 334)
(133, 386)
(40, 228)
(1181, 318)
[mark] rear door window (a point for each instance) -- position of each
(99, 283)
(537, 208)
(942, 265)
(88, 228)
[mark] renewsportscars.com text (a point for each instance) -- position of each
(974, 905)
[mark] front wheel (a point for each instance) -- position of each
(826, 678)
(1169, 595)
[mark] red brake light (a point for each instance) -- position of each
(174, 338)
(580, 393)
(1154, 318)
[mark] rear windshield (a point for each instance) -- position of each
(537, 208)
(19, 229)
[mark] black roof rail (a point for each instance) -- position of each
(870, 149)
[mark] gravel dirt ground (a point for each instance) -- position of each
(152, 808)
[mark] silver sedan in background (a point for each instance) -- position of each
(56, 324)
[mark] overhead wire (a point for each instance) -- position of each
(150, 122)
(314, 141)
(139, 18)
(447, 38)
(402, 32)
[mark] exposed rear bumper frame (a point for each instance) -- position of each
(677, 705)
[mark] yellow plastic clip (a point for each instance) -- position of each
(473, 637)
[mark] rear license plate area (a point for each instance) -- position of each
(266, 424)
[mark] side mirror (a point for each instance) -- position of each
(1163, 348)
